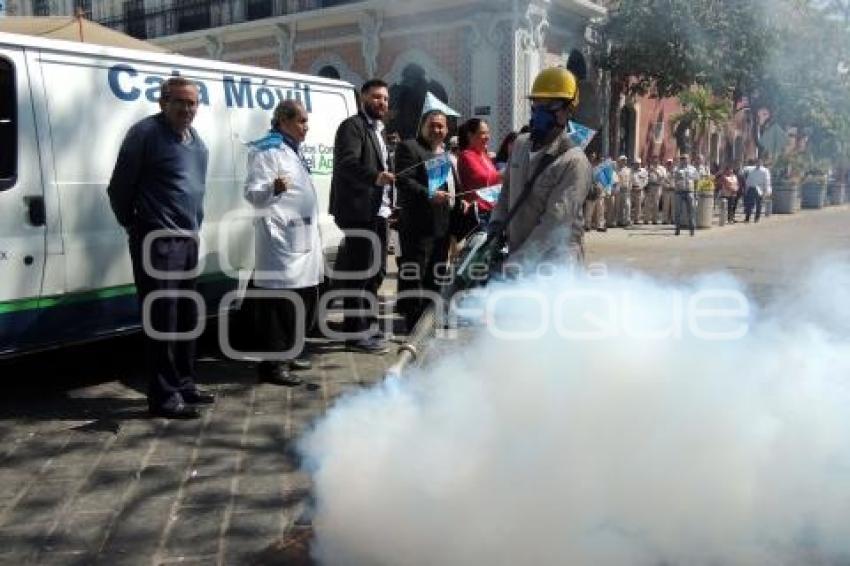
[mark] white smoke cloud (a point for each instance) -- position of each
(629, 449)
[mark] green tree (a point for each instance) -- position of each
(664, 47)
(806, 85)
(700, 111)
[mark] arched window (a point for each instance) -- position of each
(407, 98)
(329, 72)
(626, 135)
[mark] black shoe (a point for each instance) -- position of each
(602, 229)
(277, 374)
(177, 411)
(371, 345)
(198, 396)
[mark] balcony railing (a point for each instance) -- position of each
(191, 15)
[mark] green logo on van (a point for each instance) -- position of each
(319, 157)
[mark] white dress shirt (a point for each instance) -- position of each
(386, 201)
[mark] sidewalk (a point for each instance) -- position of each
(87, 477)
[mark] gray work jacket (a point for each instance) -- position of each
(550, 223)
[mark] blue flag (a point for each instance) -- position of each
(439, 168)
(580, 135)
(434, 103)
(603, 174)
(490, 194)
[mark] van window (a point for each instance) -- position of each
(8, 125)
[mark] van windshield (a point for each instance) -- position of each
(8, 125)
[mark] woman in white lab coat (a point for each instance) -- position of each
(288, 250)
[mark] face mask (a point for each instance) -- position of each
(542, 122)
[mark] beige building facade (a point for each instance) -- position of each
(479, 56)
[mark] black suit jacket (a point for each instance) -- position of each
(355, 199)
(418, 215)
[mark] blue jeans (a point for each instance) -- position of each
(752, 199)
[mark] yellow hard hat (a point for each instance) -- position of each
(555, 82)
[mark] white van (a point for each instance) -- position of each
(65, 271)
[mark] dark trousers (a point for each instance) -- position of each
(171, 362)
(731, 206)
(359, 254)
(752, 200)
(685, 208)
(277, 324)
(418, 271)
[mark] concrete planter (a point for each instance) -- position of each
(785, 197)
(813, 193)
(705, 209)
(835, 193)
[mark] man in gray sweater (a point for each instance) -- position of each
(156, 192)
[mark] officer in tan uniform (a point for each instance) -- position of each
(640, 177)
(549, 223)
(656, 180)
(668, 191)
(622, 201)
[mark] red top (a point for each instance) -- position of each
(477, 171)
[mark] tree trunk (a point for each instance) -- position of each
(618, 87)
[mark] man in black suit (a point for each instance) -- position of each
(360, 202)
(424, 216)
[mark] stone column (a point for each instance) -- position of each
(237, 11)
(370, 28)
(529, 43)
(285, 35)
(215, 47)
(484, 41)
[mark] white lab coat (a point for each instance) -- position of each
(288, 249)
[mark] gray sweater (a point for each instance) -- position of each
(159, 181)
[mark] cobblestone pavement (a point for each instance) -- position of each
(86, 477)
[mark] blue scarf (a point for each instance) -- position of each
(275, 140)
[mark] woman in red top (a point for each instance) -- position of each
(475, 168)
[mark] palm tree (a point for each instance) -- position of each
(700, 111)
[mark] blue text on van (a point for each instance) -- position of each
(127, 84)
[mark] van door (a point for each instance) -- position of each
(22, 208)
